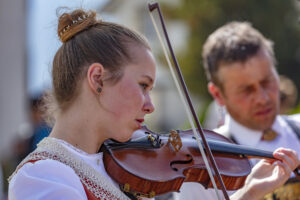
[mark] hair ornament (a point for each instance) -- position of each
(75, 21)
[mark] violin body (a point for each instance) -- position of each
(154, 171)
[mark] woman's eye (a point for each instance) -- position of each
(144, 85)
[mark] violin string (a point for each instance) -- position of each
(186, 108)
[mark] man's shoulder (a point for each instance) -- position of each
(294, 122)
(294, 117)
(223, 130)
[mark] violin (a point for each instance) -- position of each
(155, 164)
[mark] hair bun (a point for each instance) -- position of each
(69, 24)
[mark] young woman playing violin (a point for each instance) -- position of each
(102, 77)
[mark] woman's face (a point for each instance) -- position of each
(128, 101)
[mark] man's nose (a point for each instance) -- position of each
(262, 96)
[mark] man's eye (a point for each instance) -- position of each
(266, 83)
(248, 90)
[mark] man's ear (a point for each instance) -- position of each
(95, 76)
(216, 92)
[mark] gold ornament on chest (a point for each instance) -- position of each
(269, 135)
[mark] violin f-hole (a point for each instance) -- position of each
(181, 162)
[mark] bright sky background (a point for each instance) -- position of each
(42, 40)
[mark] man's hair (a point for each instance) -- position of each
(233, 42)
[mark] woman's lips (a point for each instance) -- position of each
(140, 121)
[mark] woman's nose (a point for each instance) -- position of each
(148, 106)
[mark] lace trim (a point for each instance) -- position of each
(49, 148)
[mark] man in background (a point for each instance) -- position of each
(240, 66)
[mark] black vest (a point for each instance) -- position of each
(294, 125)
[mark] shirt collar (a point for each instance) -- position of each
(280, 125)
(242, 134)
(246, 136)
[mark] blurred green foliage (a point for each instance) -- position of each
(276, 19)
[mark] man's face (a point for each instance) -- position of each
(250, 91)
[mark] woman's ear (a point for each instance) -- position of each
(216, 92)
(95, 76)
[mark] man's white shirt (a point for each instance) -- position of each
(286, 138)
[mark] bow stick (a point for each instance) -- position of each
(188, 101)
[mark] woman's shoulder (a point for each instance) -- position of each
(40, 178)
(47, 168)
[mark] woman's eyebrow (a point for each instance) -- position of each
(149, 78)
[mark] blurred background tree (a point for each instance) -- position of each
(276, 19)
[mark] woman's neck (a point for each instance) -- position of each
(73, 127)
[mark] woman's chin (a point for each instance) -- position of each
(125, 138)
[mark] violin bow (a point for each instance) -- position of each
(189, 108)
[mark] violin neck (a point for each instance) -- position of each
(237, 149)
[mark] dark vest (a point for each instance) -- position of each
(295, 126)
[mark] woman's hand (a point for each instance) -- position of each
(267, 175)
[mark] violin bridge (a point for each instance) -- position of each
(175, 140)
